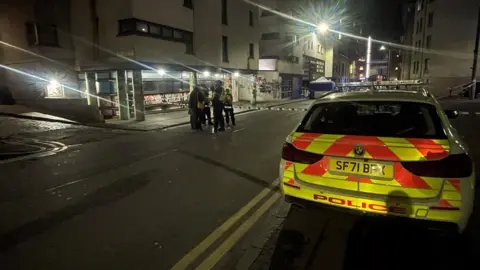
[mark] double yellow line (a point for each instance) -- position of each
(218, 253)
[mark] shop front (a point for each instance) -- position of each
(129, 94)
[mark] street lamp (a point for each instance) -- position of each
(54, 83)
(323, 28)
(161, 71)
(383, 48)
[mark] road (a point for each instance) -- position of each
(190, 200)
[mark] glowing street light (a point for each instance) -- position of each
(323, 28)
(206, 74)
(383, 48)
(161, 71)
(54, 83)
(236, 74)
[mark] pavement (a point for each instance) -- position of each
(180, 199)
(153, 120)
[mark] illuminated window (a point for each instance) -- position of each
(142, 27)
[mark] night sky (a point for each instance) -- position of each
(382, 18)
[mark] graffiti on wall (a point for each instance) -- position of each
(165, 98)
(265, 86)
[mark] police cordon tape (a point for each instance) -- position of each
(306, 109)
(276, 108)
(270, 108)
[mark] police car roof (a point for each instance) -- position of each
(379, 95)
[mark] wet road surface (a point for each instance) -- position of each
(136, 200)
(194, 200)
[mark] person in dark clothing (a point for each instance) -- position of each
(218, 108)
(207, 113)
(195, 108)
(229, 108)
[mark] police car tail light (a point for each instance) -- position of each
(293, 154)
(453, 166)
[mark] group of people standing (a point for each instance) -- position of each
(200, 103)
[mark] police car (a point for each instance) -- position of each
(386, 152)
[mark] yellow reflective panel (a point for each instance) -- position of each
(334, 182)
(408, 192)
(451, 195)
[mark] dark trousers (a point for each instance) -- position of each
(229, 115)
(218, 120)
(207, 115)
(196, 118)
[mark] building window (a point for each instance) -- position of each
(430, 19)
(42, 35)
(142, 27)
(224, 12)
(251, 51)
(426, 67)
(132, 26)
(189, 48)
(188, 37)
(250, 18)
(270, 36)
(225, 48)
(188, 4)
(177, 34)
(421, 25)
(155, 30)
(429, 42)
(167, 32)
(319, 48)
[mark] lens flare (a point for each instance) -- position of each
(337, 9)
(55, 82)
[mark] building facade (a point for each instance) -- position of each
(123, 55)
(32, 43)
(289, 59)
(443, 42)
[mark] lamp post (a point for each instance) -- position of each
(383, 48)
(369, 55)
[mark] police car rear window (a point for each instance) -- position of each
(374, 118)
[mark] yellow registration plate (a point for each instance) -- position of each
(365, 168)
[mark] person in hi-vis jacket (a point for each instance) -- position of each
(228, 107)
